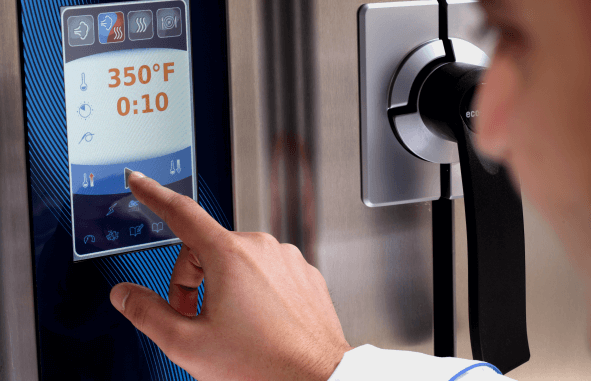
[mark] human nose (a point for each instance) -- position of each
(495, 101)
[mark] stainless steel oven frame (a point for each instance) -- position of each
(18, 344)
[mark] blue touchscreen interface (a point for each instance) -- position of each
(129, 107)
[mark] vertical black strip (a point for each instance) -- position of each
(443, 271)
(444, 30)
(443, 20)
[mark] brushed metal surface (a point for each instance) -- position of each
(296, 157)
(18, 351)
(387, 34)
(408, 70)
(411, 179)
(413, 132)
(377, 261)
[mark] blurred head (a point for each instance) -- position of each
(536, 111)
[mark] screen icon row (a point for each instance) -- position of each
(112, 27)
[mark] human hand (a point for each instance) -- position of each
(267, 314)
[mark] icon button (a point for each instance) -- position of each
(134, 231)
(111, 27)
(126, 173)
(85, 182)
(157, 227)
(170, 23)
(87, 137)
(112, 209)
(83, 86)
(112, 236)
(140, 25)
(134, 206)
(80, 30)
(84, 110)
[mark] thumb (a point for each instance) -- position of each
(149, 313)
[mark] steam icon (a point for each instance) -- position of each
(82, 30)
(107, 24)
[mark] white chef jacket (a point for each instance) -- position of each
(368, 363)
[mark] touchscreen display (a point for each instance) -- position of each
(129, 107)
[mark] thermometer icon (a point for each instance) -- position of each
(83, 86)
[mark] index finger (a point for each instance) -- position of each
(193, 225)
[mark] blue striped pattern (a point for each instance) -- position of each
(46, 128)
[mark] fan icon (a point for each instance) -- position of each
(112, 236)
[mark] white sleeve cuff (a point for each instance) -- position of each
(370, 363)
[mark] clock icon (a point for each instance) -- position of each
(84, 110)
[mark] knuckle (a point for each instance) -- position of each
(292, 249)
(230, 242)
(317, 274)
(266, 238)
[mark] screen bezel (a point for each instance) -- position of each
(152, 245)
